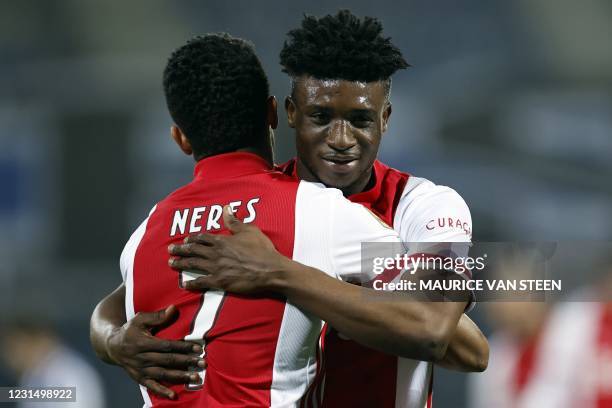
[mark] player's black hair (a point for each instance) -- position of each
(342, 46)
(216, 92)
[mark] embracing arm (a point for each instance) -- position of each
(468, 349)
(108, 316)
(247, 262)
(130, 344)
(431, 331)
(390, 322)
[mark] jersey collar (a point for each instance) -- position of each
(370, 195)
(228, 165)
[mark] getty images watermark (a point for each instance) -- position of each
(490, 271)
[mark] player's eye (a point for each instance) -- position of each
(320, 118)
(361, 122)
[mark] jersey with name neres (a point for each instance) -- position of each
(261, 350)
(352, 375)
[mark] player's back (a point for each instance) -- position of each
(261, 351)
(253, 345)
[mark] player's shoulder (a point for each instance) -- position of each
(427, 210)
(311, 192)
(329, 201)
(419, 190)
(413, 187)
(129, 250)
(322, 199)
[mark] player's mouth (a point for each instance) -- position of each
(340, 163)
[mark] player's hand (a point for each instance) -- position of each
(245, 262)
(149, 360)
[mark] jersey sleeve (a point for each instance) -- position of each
(126, 260)
(427, 212)
(434, 220)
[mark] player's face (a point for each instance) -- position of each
(338, 127)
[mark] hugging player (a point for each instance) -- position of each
(261, 350)
(339, 108)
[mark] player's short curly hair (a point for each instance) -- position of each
(341, 47)
(216, 92)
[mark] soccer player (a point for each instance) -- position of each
(260, 349)
(340, 69)
(383, 191)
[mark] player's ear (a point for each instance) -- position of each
(272, 115)
(290, 108)
(181, 140)
(386, 116)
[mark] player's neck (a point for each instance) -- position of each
(264, 153)
(364, 183)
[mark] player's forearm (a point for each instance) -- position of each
(468, 349)
(109, 315)
(388, 322)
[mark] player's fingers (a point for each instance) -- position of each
(192, 264)
(158, 318)
(230, 220)
(202, 283)
(154, 344)
(204, 239)
(192, 248)
(159, 389)
(171, 360)
(171, 376)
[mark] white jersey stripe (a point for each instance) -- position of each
(126, 264)
(204, 321)
(295, 358)
(412, 383)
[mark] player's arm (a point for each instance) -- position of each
(107, 318)
(421, 207)
(130, 344)
(247, 262)
(468, 349)
(395, 323)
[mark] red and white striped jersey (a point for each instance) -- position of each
(261, 351)
(354, 375)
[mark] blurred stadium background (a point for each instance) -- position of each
(510, 103)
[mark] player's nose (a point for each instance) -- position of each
(340, 136)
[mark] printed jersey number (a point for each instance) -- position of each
(203, 321)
